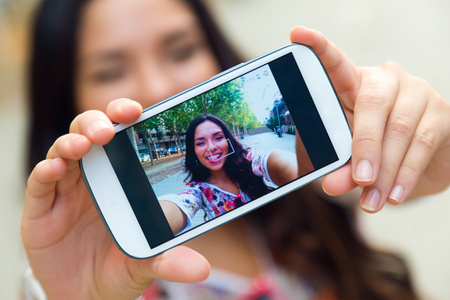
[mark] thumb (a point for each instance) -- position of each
(179, 264)
(339, 182)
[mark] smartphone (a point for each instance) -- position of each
(158, 183)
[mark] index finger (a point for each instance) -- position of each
(123, 110)
(97, 126)
(94, 125)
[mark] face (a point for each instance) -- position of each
(145, 50)
(211, 146)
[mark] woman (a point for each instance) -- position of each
(222, 173)
(86, 53)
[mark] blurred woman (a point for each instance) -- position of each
(87, 53)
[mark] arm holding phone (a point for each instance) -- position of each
(60, 224)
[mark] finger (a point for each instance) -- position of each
(40, 194)
(401, 125)
(70, 147)
(343, 73)
(374, 103)
(424, 145)
(95, 125)
(179, 264)
(123, 111)
(339, 182)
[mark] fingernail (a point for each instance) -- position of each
(98, 125)
(364, 171)
(397, 193)
(53, 162)
(371, 200)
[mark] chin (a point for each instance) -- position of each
(215, 167)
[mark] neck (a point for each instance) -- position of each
(219, 176)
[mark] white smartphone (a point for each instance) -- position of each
(174, 155)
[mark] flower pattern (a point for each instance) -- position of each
(213, 200)
(208, 194)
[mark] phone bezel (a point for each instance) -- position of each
(113, 205)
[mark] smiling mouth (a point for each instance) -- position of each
(214, 158)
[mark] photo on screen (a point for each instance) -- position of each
(169, 165)
(238, 124)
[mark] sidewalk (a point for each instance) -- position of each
(163, 167)
(269, 140)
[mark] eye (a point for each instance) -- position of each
(199, 144)
(181, 53)
(108, 75)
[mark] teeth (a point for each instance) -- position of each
(213, 158)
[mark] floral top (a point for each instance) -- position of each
(222, 285)
(213, 200)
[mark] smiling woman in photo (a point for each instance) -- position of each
(223, 174)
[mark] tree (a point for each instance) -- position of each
(228, 103)
(145, 128)
(131, 136)
(176, 121)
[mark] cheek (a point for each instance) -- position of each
(224, 146)
(198, 152)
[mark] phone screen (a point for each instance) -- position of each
(173, 156)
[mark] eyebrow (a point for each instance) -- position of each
(192, 29)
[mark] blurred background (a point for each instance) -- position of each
(414, 33)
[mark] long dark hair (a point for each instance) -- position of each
(317, 240)
(237, 166)
(307, 234)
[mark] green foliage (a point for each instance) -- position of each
(226, 102)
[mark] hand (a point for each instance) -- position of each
(67, 245)
(401, 129)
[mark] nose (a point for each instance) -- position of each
(212, 146)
